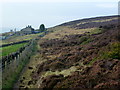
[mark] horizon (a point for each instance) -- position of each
(18, 29)
(20, 14)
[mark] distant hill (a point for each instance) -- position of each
(85, 25)
(91, 22)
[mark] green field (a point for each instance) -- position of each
(15, 38)
(9, 49)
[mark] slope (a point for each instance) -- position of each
(88, 58)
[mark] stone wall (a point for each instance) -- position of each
(15, 57)
(4, 45)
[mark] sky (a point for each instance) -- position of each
(20, 13)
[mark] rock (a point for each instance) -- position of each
(30, 82)
(21, 81)
(30, 67)
(23, 77)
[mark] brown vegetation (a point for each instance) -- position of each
(93, 59)
(99, 70)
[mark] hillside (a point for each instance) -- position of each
(81, 26)
(78, 54)
(92, 22)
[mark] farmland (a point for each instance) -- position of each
(12, 48)
(16, 38)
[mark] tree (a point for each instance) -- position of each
(42, 28)
(11, 30)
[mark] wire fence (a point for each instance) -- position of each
(11, 63)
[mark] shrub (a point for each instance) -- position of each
(114, 53)
(83, 39)
(42, 28)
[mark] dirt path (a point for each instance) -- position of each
(25, 76)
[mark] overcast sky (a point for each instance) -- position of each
(19, 13)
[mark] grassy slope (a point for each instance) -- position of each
(49, 54)
(89, 20)
(13, 70)
(12, 48)
(101, 50)
(9, 49)
(69, 31)
(19, 38)
(38, 59)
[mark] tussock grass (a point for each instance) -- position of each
(69, 31)
(105, 20)
(64, 72)
(34, 61)
(111, 53)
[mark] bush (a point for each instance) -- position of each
(83, 39)
(42, 28)
(107, 27)
(115, 53)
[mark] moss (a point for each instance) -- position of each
(95, 31)
(86, 42)
(92, 61)
(87, 39)
(65, 72)
(115, 51)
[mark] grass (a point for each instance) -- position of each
(105, 20)
(35, 60)
(92, 61)
(14, 38)
(113, 53)
(86, 42)
(12, 73)
(69, 31)
(60, 33)
(12, 48)
(64, 72)
(82, 23)
(96, 31)
(12, 76)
